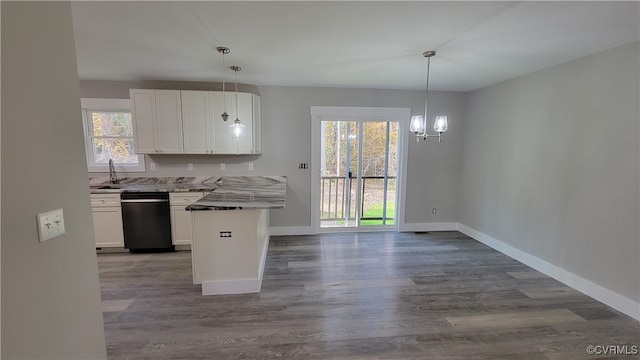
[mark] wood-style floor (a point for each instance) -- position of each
(440, 295)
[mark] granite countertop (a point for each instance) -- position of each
(154, 184)
(242, 192)
(227, 192)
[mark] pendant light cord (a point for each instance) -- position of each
(224, 77)
(237, 117)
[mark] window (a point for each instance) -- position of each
(109, 135)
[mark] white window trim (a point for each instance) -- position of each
(94, 104)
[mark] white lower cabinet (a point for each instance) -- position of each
(107, 220)
(181, 231)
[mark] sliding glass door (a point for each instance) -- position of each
(358, 173)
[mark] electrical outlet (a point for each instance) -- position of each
(225, 234)
(250, 166)
(50, 224)
(152, 166)
(222, 166)
(189, 166)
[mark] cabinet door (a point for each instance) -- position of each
(181, 225)
(245, 109)
(223, 139)
(143, 111)
(107, 226)
(195, 122)
(257, 124)
(169, 121)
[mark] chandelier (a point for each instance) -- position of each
(418, 124)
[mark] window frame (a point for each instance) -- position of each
(105, 105)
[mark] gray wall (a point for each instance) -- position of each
(551, 166)
(51, 305)
(433, 169)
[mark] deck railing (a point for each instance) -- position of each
(334, 193)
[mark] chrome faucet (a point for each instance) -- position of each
(113, 178)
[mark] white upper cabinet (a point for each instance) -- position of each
(143, 111)
(196, 122)
(206, 133)
(257, 124)
(169, 115)
(190, 122)
(223, 138)
(157, 119)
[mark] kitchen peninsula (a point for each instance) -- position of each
(231, 233)
(229, 225)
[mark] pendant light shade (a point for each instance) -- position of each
(417, 124)
(440, 124)
(237, 130)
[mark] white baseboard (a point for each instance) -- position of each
(606, 296)
(445, 226)
(291, 230)
(231, 287)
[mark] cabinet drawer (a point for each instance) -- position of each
(101, 200)
(186, 198)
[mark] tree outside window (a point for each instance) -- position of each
(112, 137)
(109, 134)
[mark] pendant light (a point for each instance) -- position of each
(418, 123)
(224, 50)
(237, 129)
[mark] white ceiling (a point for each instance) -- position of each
(362, 44)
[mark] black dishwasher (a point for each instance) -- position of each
(146, 221)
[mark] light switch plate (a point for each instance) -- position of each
(222, 166)
(189, 166)
(50, 224)
(250, 166)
